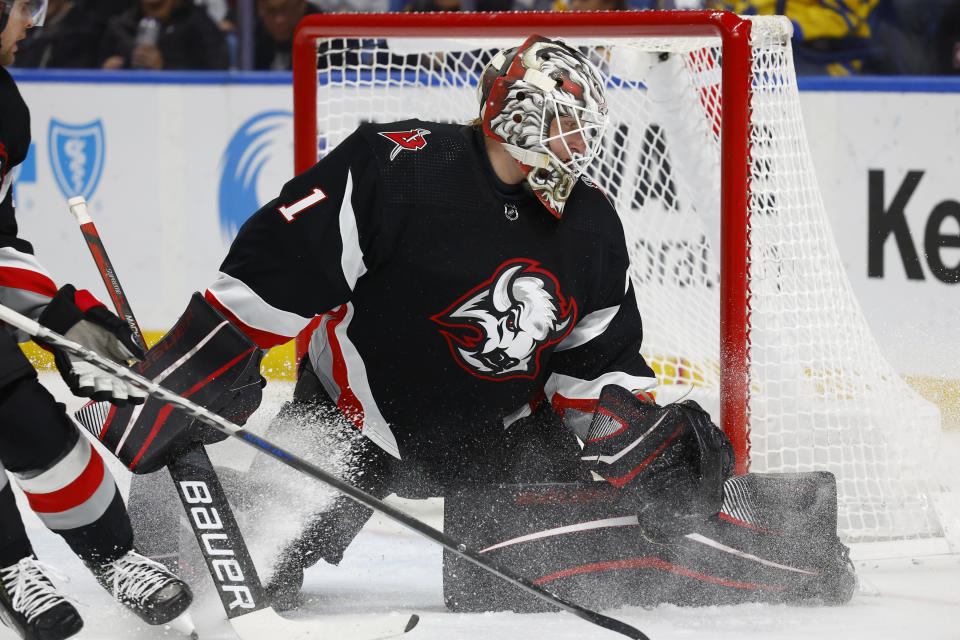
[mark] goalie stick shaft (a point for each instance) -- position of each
(235, 431)
(194, 477)
(202, 497)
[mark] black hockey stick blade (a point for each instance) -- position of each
(234, 431)
(235, 576)
(266, 623)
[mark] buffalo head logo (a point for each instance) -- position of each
(498, 330)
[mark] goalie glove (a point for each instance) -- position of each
(671, 459)
(204, 358)
(80, 317)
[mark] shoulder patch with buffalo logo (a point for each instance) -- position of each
(498, 330)
(410, 140)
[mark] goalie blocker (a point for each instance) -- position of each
(203, 357)
(668, 526)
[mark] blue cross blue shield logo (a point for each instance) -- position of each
(76, 156)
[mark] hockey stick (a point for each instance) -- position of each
(209, 513)
(78, 207)
(291, 460)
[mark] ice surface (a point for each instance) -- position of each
(390, 569)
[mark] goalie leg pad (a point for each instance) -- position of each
(204, 358)
(582, 541)
(796, 503)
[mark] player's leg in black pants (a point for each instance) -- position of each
(64, 478)
(68, 485)
(23, 584)
(331, 530)
(18, 566)
(14, 543)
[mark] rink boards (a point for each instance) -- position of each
(173, 163)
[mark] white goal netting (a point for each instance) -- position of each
(821, 395)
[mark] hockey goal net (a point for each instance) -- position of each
(745, 303)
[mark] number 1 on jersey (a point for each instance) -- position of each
(290, 212)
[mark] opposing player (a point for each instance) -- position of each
(63, 477)
(474, 302)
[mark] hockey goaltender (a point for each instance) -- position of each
(479, 339)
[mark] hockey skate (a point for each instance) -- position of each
(145, 587)
(32, 606)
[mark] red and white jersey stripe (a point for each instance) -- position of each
(343, 374)
(25, 285)
(575, 399)
(351, 259)
(589, 327)
(264, 324)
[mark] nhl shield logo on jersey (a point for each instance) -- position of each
(498, 330)
(411, 140)
(76, 156)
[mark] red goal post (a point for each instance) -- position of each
(734, 33)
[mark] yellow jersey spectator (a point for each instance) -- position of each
(832, 37)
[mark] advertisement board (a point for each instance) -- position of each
(170, 170)
(172, 164)
(887, 157)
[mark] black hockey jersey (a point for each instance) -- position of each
(24, 284)
(450, 305)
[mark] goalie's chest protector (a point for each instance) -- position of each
(455, 324)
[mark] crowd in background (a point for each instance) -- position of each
(832, 37)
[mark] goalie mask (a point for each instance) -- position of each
(539, 93)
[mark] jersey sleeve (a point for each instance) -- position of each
(301, 254)
(603, 348)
